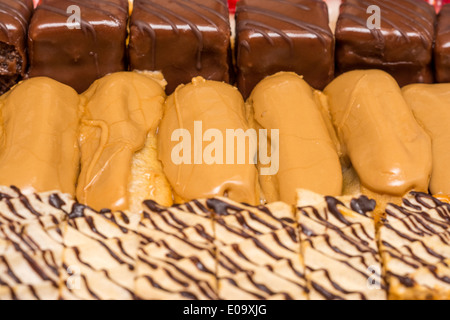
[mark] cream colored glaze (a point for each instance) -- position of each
(219, 106)
(389, 150)
(308, 155)
(120, 110)
(431, 106)
(39, 151)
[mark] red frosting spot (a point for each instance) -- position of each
(232, 5)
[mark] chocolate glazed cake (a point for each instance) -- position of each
(181, 38)
(442, 48)
(288, 35)
(402, 46)
(74, 52)
(14, 17)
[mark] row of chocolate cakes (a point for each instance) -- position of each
(77, 42)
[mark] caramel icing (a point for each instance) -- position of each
(389, 150)
(308, 156)
(120, 111)
(218, 106)
(39, 129)
(431, 106)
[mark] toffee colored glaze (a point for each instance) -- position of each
(288, 35)
(442, 47)
(14, 19)
(402, 47)
(78, 56)
(183, 39)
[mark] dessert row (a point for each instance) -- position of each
(326, 248)
(77, 43)
(123, 140)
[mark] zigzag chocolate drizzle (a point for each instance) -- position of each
(330, 238)
(421, 222)
(408, 17)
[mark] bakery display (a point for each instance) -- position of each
(40, 120)
(401, 46)
(182, 39)
(119, 165)
(274, 36)
(308, 158)
(78, 52)
(14, 16)
(114, 190)
(372, 118)
(430, 104)
(442, 46)
(198, 169)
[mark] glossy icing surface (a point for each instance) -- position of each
(78, 56)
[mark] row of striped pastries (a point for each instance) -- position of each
(328, 248)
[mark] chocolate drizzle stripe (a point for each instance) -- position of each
(25, 202)
(16, 15)
(131, 293)
(336, 286)
(235, 284)
(115, 256)
(198, 283)
(86, 26)
(198, 34)
(319, 32)
(404, 13)
(88, 288)
(325, 293)
(10, 271)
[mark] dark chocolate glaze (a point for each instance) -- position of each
(14, 18)
(56, 201)
(183, 39)
(78, 57)
(288, 35)
(363, 205)
(442, 47)
(402, 47)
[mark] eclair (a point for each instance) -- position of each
(388, 149)
(431, 107)
(308, 158)
(203, 145)
(119, 165)
(39, 151)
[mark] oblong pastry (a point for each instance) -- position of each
(431, 107)
(308, 158)
(39, 130)
(193, 112)
(388, 149)
(119, 166)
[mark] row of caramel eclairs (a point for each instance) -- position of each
(123, 141)
(79, 42)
